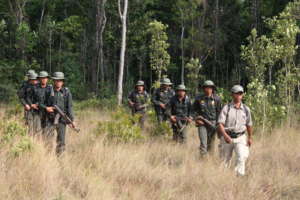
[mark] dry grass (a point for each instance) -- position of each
(157, 169)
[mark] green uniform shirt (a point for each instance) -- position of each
(179, 108)
(161, 96)
(140, 100)
(207, 107)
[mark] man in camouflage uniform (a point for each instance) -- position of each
(179, 110)
(43, 92)
(161, 97)
(26, 95)
(21, 94)
(234, 121)
(138, 101)
(61, 97)
(208, 106)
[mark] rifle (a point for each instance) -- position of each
(179, 123)
(207, 122)
(60, 113)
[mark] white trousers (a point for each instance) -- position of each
(240, 147)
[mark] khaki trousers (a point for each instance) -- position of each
(241, 149)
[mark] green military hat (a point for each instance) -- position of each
(181, 87)
(31, 71)
(165, 81)
(58, 76)
(32, 76)
(209, 83)
(43, 74)
(237, 89)
(140, 83)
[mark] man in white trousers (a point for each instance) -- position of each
(235, 127)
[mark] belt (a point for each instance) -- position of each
(235, 135)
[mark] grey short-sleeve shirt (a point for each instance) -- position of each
(235, 119)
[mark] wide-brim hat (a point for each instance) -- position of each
(43, 74)
(181, 87)
(209, 83)
(140, 83)
(58, 76)
(32, 76)
(166, 81)
(31, 71)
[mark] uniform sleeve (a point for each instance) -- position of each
(29, 95)
(196, 107)
(155, 100)
(222, 115)
(130, 97)
(21, 95)
(249, 117)
(190, 110)
(219, 106)
(70, 107)
(169, 108)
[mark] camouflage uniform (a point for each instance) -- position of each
(26, 95)
(140, 101)
(63, 99)
(182, 110)
(22, 95)
(42, 94)
(209, 107)
(162, 96)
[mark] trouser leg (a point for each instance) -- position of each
(202, 132)
(60, 139)
(226, 151)
(179, 136)
(211, 135)
(242, 153)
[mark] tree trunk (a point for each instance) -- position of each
(123, 16)
(182, 48)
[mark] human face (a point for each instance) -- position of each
(237, 97)
(58, 83)
(140, 88)
(181, 93)
(44, 80)
(164, 87)
(33, 81)
(208, 91)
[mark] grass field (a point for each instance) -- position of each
(155, 169)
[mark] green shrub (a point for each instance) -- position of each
(123, 127)
(158, 129)
(11, 129)
(24, 145)
(104, 104)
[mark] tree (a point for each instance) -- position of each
(159, 56)
(123, 16)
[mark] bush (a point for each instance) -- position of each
(123, 127)
(158, 129)
(12, 129)
(104, 104)
(24, 145)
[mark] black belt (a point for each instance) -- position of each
(234, 134)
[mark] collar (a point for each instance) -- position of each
(233, 106)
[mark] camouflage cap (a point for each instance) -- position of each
(58, 76)
(237, 89)
(181, 87)
(32, 76)
(208, 83)
(165, 81)
(43, 74)
(140, 83)
(31, 71)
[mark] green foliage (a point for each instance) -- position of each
(22, 146)
(193, 74)
(261, 54)
(10, 130)
(158, 129)
(159, 56)
(123, 127)
(97, 103)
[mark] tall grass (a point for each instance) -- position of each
(153, 169)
